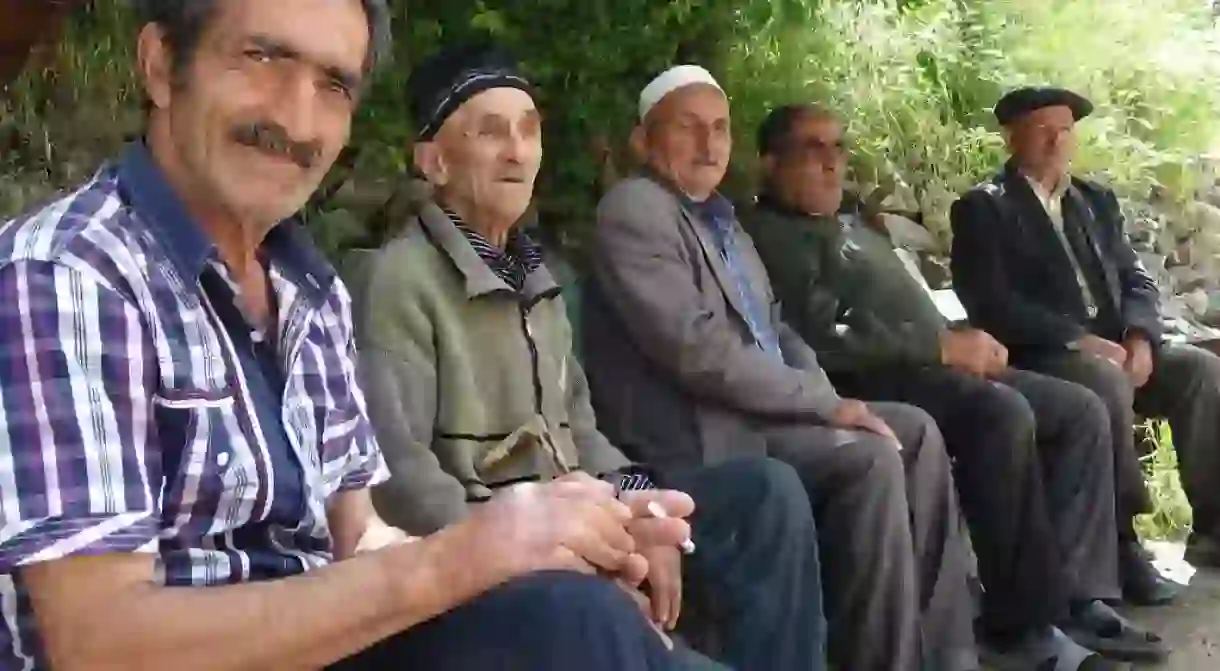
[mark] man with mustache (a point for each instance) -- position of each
(184, 452)
(1032, 460)
(1041, 260)
(689, 363)
(466, 352)
(274, 140)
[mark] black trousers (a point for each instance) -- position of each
(550, 621)
(1034, 475)
(1185, 389)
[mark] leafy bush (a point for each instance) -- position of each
(915, 81)
(1171, 515)
(915, 85)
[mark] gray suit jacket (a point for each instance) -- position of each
(676, 375)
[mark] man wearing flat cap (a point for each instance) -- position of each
(690, 363)
(474, 388)
(1032, 455)
(1041, 261)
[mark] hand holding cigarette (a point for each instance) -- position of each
(655, 509)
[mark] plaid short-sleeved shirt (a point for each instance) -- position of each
(128, 422)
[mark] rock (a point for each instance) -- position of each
(935, 271)
(1196, 301)
(907, 234)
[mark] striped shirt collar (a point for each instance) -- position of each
(520, 256)
(189, 248)
(141, 430)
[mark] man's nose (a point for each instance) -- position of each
(293, 107)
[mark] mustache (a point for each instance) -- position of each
(274, 139)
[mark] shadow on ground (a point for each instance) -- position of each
(1191, 626)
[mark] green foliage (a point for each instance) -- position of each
(75, 105)
(913, 79)
(1170, 518)
(915, 83)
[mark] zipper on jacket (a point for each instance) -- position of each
(533, 349)
(561, 464)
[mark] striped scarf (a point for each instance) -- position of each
(520, 256)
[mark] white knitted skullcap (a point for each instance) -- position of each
(671, 80)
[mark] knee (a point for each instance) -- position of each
(552, 598)
(1111, 384)
(773, 479)
(1006, 412)
(921, 438)
(1090, 412)
(885, 467)
(779, 495)
(571, 620)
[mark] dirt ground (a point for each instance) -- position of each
(1192, 626)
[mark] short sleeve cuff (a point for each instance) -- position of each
(55, 538)
(371, 473)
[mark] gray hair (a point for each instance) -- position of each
(184, 22)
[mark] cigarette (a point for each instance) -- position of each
(655, 509)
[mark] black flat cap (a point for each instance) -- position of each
(1019, 102)
(444, 81)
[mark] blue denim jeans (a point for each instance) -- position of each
(757, 559)
(550, 621)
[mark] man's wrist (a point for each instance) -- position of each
(437, 568)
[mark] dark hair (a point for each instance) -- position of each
(776, 130)
(184, 22)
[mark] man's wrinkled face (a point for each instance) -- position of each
(807, 172)
(1044, 140)
(688, 139)
(263, 108)
(487, 154)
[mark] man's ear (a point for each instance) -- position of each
(639, 143)
(1006, 132)
(431, 163)
(155, 63)
(766, 167)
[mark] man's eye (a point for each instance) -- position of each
(336, 86)
(258, 55)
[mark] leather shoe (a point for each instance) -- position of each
(1202, 551)
(1142, 583)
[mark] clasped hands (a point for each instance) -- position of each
(576, 523)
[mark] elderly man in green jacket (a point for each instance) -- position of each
(466, 351)
(1031, 458)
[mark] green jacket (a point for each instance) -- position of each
(470, 385)
(846, 291)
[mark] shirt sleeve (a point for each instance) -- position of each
(77, 476)
(367, 467)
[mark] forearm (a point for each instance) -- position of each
(303, 622)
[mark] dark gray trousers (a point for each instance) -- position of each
(1034, 470)
(893, 546)
(1184, 389)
